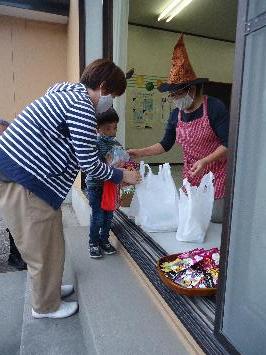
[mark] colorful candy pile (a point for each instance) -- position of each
(131, 165)
(197, 268)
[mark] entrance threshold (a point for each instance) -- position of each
(196, 313)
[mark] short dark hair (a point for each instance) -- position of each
(109, 116)
(104, 71)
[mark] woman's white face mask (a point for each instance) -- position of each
(183, 103)
(104, 103)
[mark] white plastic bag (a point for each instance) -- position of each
(195, 210)
(155, 202)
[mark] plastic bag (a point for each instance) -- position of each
(117, 156)
(155, 202)
(195, 210)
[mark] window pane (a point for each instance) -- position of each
(256, 7)
(244, 322)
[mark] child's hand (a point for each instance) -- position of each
(131, 177)
(119, 165)
(108, 159)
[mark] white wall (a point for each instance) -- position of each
(150, 52)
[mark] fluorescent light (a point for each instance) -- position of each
(178, 9)
(168, 9)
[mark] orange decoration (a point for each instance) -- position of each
(181, 70)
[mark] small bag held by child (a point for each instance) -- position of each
(117, 157)
(109, 197)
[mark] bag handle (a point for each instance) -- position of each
(142, 169)
(206, 181)
(166, 169)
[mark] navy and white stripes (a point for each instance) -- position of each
(50, 140)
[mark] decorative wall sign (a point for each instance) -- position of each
(146, 103)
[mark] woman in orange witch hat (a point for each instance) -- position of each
(198, 123)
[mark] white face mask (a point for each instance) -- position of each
(184, 102)
(104, 103)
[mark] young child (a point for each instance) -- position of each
(100, 223)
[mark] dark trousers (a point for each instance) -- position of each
(13, 248)
(100, 223)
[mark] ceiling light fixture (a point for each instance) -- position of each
(168, 9)
(178, 9)
(173, 9)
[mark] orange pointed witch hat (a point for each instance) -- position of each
(181, 73)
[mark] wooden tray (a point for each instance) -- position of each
(179, 289)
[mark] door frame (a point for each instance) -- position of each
(245, 27)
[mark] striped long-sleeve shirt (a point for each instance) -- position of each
(51, 140)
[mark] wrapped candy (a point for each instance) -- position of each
(183, 261)
(211, 259)
(189, 278)
(210, 264)
(194, 278)
(131, 165)
(197, 268)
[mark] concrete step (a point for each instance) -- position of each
(114, 306)
(51, 336)
(12, 295)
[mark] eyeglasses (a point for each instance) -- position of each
(177, 94)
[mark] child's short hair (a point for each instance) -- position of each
(109, 116)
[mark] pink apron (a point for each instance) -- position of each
(198, 141)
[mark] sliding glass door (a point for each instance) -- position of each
(241, 313)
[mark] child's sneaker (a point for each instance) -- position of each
(95, 251)
(107, 248)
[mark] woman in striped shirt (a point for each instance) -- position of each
(40, 155)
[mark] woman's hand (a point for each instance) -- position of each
(154, 149)
(131, 177)
(220, 153)
(134, 153)
(198, 167)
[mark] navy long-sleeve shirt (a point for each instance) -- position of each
(218, 116)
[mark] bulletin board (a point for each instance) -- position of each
(147, 113)
(145, 103)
